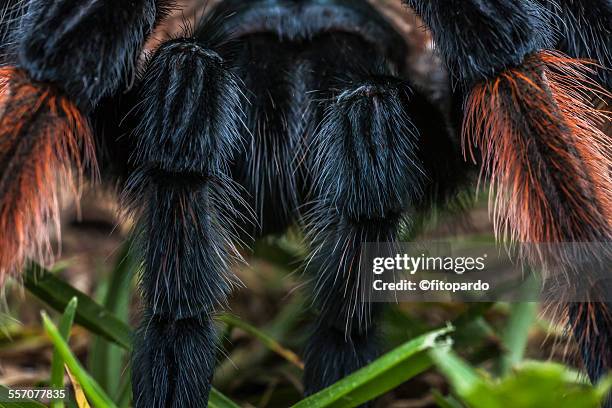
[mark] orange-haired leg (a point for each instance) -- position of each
(44, 139)
(549, 166)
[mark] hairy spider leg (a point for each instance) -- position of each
(63, 57)
(528, 112)
(189, 119)
(586, 29)
(364, 173)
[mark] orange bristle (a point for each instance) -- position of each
(542, 149)
(44, 139)
(550, 170)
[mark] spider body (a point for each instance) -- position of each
(272, 113)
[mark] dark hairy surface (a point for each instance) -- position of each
(266, 114)
(479, 38)
(99, 59)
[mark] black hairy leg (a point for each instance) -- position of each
(189, 115)
(365, 174)
(299, 153)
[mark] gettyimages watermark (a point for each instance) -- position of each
(484, 272)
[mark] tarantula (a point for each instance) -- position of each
(271, 112)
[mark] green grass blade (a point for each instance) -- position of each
(218, 400)
(445, 402)
(515, 335)
(461, 376)
(570, 375)
(93, 391)
(529, 385)
(57, 293)
(243, 359)
(268, 341)
(57, 363)
(124, 396)
(120, 285)
(380, 376)
(422, 361)
(604, 388)
(107, 360)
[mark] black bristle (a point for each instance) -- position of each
(11, 12)
(189, 115)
